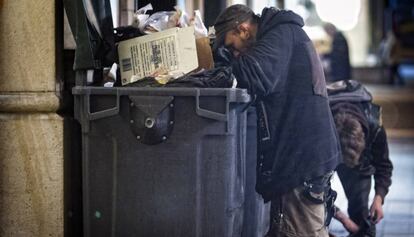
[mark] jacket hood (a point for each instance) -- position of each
(271, 17)
(348, 91)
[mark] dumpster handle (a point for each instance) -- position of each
(211, 114)
(103, 113)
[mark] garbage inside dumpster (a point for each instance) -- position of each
(98, 48)
(164, 54)
(173, 47)
(171, 52)
(141, 16)
(220, 77)
(110, 75)
(160, 21)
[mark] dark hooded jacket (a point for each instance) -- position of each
(297, 140)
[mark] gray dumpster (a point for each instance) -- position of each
(162, 161)
(256, 217)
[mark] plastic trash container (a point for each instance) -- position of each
(162, 161)
(256, 217)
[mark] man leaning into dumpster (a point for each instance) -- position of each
(273, 58)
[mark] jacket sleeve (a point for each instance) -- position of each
(261, 69)
(382, 163)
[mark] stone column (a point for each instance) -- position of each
(31, 133)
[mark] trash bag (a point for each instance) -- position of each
(222, 57)
(219, 77)
(141, 16)
(126, 32)
(199, 27)
(145, 82)
(161, 21)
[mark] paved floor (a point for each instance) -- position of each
(399, 204)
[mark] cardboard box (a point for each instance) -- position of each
(204, 53)
(173, 51)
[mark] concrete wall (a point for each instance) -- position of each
(31, 134)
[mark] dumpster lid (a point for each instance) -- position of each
(233, 94)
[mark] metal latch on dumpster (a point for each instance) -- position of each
(151, 118)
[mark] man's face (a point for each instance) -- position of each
(238, 41)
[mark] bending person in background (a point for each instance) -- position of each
(365, 154)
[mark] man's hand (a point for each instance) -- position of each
(376, 211)
(348, 224)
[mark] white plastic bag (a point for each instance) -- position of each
(199, 27)
(160, 21)
(140, 16)
(184, 20)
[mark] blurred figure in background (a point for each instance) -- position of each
(338, 59)
(397, 48)
(393, 54)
